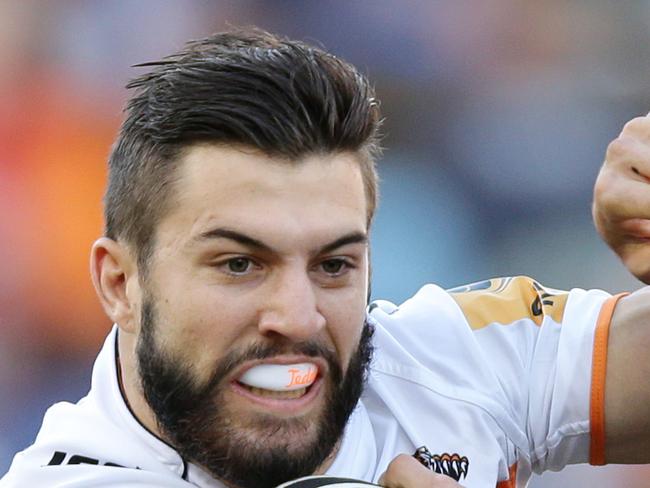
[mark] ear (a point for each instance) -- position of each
(115, 277)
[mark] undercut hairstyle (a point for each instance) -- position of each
(247, 88)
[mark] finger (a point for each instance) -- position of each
(626, 153)
(621, 198)
(638, 228)
(638, 127)
(641, 173)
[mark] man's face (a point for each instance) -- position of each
(258, 262)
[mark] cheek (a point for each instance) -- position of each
(201, 327)
(345, 322)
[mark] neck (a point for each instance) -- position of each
(322, 469)
(130, 384)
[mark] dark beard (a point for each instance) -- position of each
(192, 418)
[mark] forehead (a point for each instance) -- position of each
(318, 197)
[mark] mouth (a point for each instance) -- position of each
(280, 385)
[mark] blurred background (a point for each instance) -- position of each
(498, 113)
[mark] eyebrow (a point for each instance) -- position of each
(233, 235)
(351, 238)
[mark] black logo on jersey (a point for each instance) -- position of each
(60, 458)
(453, 465)
(543, 298)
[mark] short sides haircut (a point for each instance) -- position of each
(244, 88)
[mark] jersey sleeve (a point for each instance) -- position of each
(547, 349)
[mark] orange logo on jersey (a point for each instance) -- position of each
(452, 465)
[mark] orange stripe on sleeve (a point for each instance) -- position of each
(511, 482)
(598, 372)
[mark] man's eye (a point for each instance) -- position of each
(334, 266)
(239, 265)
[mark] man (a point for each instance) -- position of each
(235, 268)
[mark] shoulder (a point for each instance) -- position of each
(429, 340)
(511, 301)
(95, 438)
(78, 445)
(435, 311)
(481, 337)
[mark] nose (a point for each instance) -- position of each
(291, 308)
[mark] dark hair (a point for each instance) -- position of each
(247, 88)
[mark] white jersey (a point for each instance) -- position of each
(496, 380)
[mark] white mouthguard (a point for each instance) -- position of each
(280, 377)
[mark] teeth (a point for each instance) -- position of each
(280, 377)
(278, 395)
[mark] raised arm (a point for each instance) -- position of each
(621, 208)
(627, 384)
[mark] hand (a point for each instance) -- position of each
(621, 208)
(406, 472)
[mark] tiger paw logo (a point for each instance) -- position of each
(453, 465)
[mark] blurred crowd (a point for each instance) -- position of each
(498, 113)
